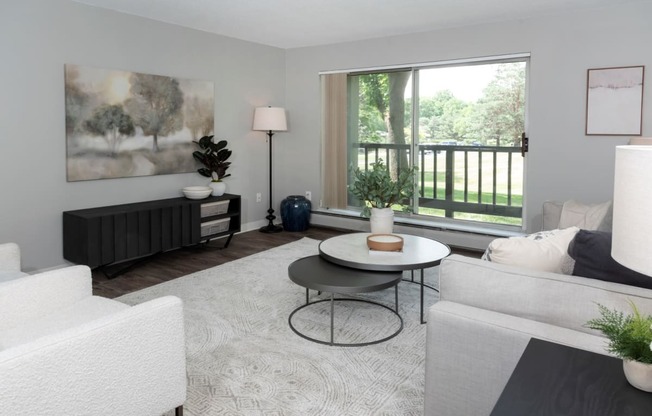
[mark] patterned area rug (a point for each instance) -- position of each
(243, 358)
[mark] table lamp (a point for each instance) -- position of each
(632, 223)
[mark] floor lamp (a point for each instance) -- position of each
(270, 119)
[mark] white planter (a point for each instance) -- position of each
(638, 374)
(218, 188)
(382, 220)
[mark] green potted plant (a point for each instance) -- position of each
(214, 157)
(630, 338)
(380, 192)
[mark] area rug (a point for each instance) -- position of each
(243, 358)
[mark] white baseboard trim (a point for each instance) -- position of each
(254, 225)
(453, 238)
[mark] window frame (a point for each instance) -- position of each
(430, 220)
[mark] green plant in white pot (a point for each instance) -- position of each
(214, 157)
(630, 338)
(380, 192)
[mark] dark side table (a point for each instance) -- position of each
(553, 379)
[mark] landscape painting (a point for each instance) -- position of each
(123, 124)
(614, 101)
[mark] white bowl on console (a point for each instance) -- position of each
(197, 192)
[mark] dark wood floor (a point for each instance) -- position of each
(177, 263)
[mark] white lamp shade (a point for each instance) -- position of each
(270, 118)
(632, 222)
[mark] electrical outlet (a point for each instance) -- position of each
(259, 197)
(308, 195)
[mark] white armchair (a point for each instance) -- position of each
(10, 262)
(64, 351)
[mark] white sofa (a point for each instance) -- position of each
(66, 352)
(486, 315)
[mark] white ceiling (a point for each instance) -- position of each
(298, 23)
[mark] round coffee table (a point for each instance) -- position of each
(350, 250)
(314, 272)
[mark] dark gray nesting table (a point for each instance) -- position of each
(316, 273)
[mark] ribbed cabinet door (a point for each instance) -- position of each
(166, 228)
(186, 224)
(156, 234)
(195, 223)
(120, 236)
(144, 232)
(107, 239)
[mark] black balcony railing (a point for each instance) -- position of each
(458, 179)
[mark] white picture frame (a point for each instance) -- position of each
(614, 101)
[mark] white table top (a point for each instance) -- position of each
(350, 250)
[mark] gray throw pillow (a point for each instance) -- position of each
(591, 251)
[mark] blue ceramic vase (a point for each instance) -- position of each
(295, 213)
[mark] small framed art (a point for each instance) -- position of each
(614, 101)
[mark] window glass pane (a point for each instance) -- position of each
(470, 123)
(379, 121)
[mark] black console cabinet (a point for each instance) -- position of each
(106, 235)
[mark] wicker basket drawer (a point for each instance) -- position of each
(214, 208)
(215, 227)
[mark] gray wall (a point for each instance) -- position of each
(37, 37)
(563, 163)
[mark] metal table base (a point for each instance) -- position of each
(332, 301)
(422, 286)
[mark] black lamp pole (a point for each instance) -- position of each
(270, 228)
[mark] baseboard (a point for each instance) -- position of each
(453, 238)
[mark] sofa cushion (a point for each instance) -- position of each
(545, 250)
(591, 251)
(586, 216)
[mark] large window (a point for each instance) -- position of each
(460, 124)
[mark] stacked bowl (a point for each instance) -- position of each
(197, 192)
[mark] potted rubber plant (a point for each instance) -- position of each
(630, 338)
(214, 158)
(380, 193)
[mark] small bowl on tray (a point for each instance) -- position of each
(385, 242)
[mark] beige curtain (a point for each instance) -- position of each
(333, 134)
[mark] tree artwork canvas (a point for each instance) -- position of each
(123, 124)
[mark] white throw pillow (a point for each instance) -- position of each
(546, 251)
(587, 217)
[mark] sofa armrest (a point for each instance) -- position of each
(34, 295)
(129, 363)
(10, 257)
(471, 353)
(556, 299)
